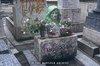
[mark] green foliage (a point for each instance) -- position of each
(32, 26)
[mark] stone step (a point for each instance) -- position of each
(88, 47)
(31, 59)
(97, 57)
(87, 61)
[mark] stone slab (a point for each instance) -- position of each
(8, 60)
(3, 45)
(85, 59)
(34, 62)
(92, 35)
(19, 45)
(88, 47)
(97, 57)
(25, 46)
(55, 49)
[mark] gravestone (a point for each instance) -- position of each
(92, 26)
(91, 33)
(71, 9)
(58, 49)
(22, 14)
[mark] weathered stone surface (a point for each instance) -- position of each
(92, 35)
(3, 47)
(98, 6)
(79, 35)
(16, 31)
(86, 8)
(19, 28)
(88, 47)
(31, 58)
(87, 61)
(8, 60)
(14, 50)
(69, 4)
(77, 27)
(22, 59)
(2, 33)
(93, 21)
(97, 57)
(74, 14)
(55, 49)
(70, 9)
(1, 22)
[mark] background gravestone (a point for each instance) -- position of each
(90, 43)
(92, 25)
(71, 9)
